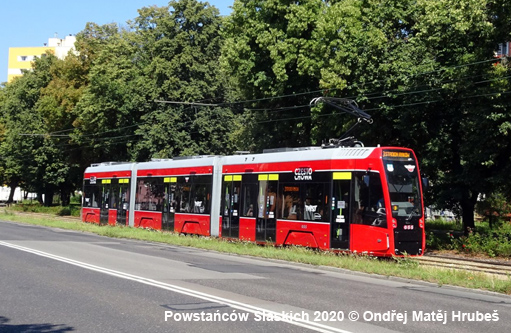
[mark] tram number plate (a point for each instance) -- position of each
(304, 226)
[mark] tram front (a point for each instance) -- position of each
(403, 183)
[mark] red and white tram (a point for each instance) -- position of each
(360, 199)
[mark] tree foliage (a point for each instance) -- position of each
(265, 57)
(23, 148)
(182, 44)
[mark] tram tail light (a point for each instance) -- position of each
(394, 223)
(421, 223)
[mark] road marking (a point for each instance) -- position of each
(185, 291)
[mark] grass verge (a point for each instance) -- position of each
(399, 267)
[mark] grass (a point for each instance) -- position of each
(398, 267)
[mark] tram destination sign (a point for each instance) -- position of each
(396, 155)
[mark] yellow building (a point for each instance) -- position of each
(21, 58)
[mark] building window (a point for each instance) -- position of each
(503, 50)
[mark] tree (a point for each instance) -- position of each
(113, 97)
(265, 58)
(466, 149)
(56, 105)
(181, 46)
(425, 71)
(22, 127)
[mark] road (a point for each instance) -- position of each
(55, 280)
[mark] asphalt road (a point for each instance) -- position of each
(53, 280)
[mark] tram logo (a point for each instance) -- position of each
(303, 174)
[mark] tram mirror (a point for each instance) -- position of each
(425, 182)
(366, 179)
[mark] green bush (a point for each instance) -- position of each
(76, 199)
(483, 240)
(64, 211)
(441, 234)
(72, 210)
(492, 242)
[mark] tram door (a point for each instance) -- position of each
(231, 190)
(105, 200)
(169, 203)
(340, 225)
(122, 198)
(266, 223)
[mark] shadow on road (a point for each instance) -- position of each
(5, 327)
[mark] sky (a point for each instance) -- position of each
(31, 22)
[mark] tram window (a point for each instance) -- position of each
(91, 196)
(170, 203)
(248, 202)
(304, 201)
(271, 200)
(150, 194)
(113, 198)
(201, 194)
(368, 200)
(316, 202)
(226, 192)
(291, 207)
(105, 197)
(249, 199)
(125, 199)
(184, 197)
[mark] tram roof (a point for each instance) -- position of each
(301, 155)
(270, 156)
(179, 162)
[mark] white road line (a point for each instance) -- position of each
(185, 291)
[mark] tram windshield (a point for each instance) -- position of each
(403, 182)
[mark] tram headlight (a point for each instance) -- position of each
(421, 223)
(394, 223)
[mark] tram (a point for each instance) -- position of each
(357, 199)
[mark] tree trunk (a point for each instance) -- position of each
(13, 185)
(48, 197)
(65, 198)
(40, 198)
(468, 204)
